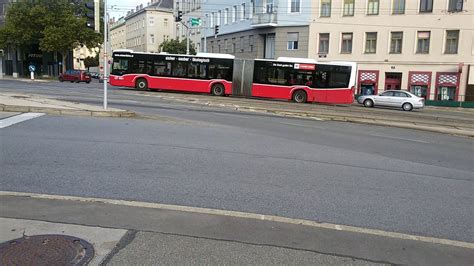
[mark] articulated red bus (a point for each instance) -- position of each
(300, 80)
(208, 73)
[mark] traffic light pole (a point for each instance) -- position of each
(105, 54)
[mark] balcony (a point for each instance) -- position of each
(265, 20)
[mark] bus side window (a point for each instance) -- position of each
(320, 79)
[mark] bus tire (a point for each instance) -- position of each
(300, 96)
(218, 89)
(141, 84)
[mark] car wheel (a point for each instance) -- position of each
(141, 84)
(369, 103)
(88, 82)
(218, 89)
(61, 80)
(300, 96)
(407, 107)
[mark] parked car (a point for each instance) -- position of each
(393, 98)
(94, 75)
(73, 75)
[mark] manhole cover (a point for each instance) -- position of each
(46, 250)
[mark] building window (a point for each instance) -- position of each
(423, 42)
(292, 41)
(370, 42)
(346, 44)
(251, 43)
(348, 8)
(233, 46)
(373, 7)
(211, 20)
(269, 7)
(295, 6)
(152, 38)
(242, 11)
(446, 93)
(234, 13)
(325, 8)
(151, 21)
(252, 9)
(396, 42)
(398, 7)
(452, 42)
(323, 43)
(242, 44)
(455, 5)
(426, 6)
(226, 16)
(218, 18)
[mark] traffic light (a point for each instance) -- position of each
(179, 16)
(90, 15)
(216, 29)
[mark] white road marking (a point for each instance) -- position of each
(396, 138)
(18, 119)
(247, 215)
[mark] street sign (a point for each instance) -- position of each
(196, 22)
(32, 68)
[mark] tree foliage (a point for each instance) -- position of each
(54, 25)
(174, 46)
(91, 61)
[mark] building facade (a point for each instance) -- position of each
(117, 33)
(258, 28)
(192, 9)
(424, 46)
(147, 27)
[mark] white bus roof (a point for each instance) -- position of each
(210, 55)
(215, 55)
(297, 60)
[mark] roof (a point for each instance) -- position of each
(159, 5)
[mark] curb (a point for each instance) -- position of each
(59, 111)
(245, 215)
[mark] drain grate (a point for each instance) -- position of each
(46, 250)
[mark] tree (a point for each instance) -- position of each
(91, 61)
(174, 46)
(54, 25)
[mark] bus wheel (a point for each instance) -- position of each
(300, 96)
(218, 89)
(141, 84)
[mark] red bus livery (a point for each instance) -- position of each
(208, 73)
(300, 80)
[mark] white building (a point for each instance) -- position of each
(147, 27)
(425, 46)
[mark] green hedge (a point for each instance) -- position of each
(450, 104)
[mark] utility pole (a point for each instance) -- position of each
(105, 54)
(205, 33)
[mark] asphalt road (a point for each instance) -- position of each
(131, 99)
(384, 178)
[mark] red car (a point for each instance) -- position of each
(75, 76)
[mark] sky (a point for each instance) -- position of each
(120, 7)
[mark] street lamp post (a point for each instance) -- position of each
(105, 54)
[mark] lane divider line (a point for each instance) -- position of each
(9, 121)
(246, 215)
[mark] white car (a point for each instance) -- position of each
(393, 98)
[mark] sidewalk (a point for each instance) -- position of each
(135, 233)
(16, 102)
